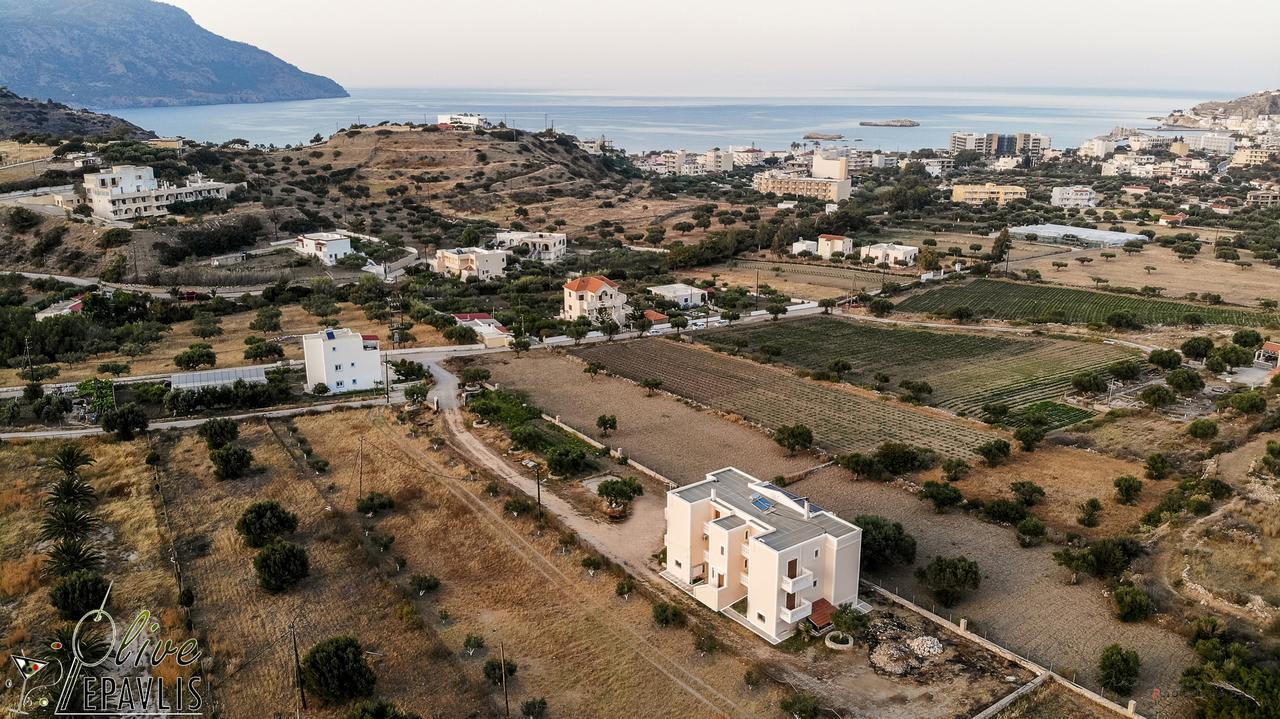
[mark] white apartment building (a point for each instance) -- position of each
(343, 360)
(543, 246)
(830, 244)
(732, 537)
(902, 255)
(830, 165)
(462, 120)
(467, 262)
(681, 294)
(799, 246)
(127, 192)
(1076, 196)
(328, 247)
(1264, 198)
(1139, 143)
(716, 160)
(594, 297)
(978, 194)
(747, 156)
(821, 188)
(1097, 147)
(881, 161)
(1132, 165)
(1006, 163)
(1212, 143)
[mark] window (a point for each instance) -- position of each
(815, 552)
(677, 563)
(337, 368)
(354, 381)
(760, 617)
(338, 383)
(722, 550)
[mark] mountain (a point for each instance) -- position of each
(23, 115)
(138, 53)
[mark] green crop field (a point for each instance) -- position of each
(1010, 301)
(966, 370)
(842, 419)
(1058, 414)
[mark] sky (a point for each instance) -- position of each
(752, 47)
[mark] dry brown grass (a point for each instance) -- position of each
(1054, 701)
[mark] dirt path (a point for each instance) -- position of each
(626, 637)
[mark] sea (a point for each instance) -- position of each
(640, 123)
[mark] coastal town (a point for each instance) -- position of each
(447, 416)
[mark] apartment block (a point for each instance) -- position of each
(820, 188)
(342, 360)
(1076, 196)
(767, 558)
(129, 192)
(543, 246)
(978, 194)
(467, 262)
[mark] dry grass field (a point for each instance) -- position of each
(1054, 701)
(1242, 286)
(133, 542)
(229, 345)
(1069, 477)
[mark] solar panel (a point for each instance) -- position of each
(761, 503)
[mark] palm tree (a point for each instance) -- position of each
(71, 555)
(67, 522)
(70, 491)
(69, 458)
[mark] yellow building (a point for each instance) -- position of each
(822, 188)
(978, 194)
(1249, 156)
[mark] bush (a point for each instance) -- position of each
(1185, 381)
(1165, 359)
(668, 615)
(1128, 488)
(1158, 395)
(1030, 531)
(1249, 402)
(423, 583)
(77, 593)
(378, 709)
(1118, 669)
(995, 452)
(374, 502)
(1203, 429)
(264, 521)
(1158, 466)
(496, 670)
(1089, 383)
(1029, 493)
(801, 706)
(567, 460)
(949, 578)
(884, 543)
(1104, 559)
(218, 432)
(943, 495)
(230, 461)
(335, 670)
(1131, 603)
(127, 422)
(280, 565)
(954, 470)
(1090, 510)
(534, 709)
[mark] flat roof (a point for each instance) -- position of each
(1085, 234)
(673, 288)
(790, 527)
(218, 377)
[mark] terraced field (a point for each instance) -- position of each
(842, 420)
(1009, 301)
(966, 370)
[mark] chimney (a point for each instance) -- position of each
(713, 493)
(808, 514)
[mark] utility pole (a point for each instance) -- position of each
(537, 483)
(297, 665)
(506, 699)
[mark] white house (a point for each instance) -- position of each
(127, 192)
(468, 262)
(1097, 147)
(681, 294)
(732, 537)
(489, 332)
(892, 254)
(345, 361)
(462, 120)
(329, 247)
(1077, 196)
(543, 246)
(829, 244)
(594, 297)
(810, 246)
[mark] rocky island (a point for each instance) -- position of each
(889, 123)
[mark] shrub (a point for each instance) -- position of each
(1118, 669)
(954, 470)
(1249, 402)
(1089, 383)
(1090, 510)
(496, 671)
(1165, 359)
(1030, 531)
(799, 705)
(1128, 488)
(1105, 558)
(1185, 381)
(127, 421)
(264, 521)
(378, 709)
(1005, 511)
(218, 432)
(423, 583)
(1029, 493)
(900, 458)
(230, 461)
(1158, 466)
(1203, 429)
(848, 620)
(78, 593)
(619, 491)
(1157, 395)
(668, 615)
(943, 495)
(794, 437)
(1131, 603)
(280, 565)
(567, 460)
(884, 543)
(534, 709)
(335, 670)
(1028, 437)
(995, 452)
(374, 502)
(949, 578)
(705, 642)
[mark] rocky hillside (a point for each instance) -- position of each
(1266, 102)
(22, 115)
(138, 53)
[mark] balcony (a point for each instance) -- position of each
(802, 610)
(803, 580)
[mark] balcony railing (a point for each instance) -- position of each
(804, 580)
(801, 611)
